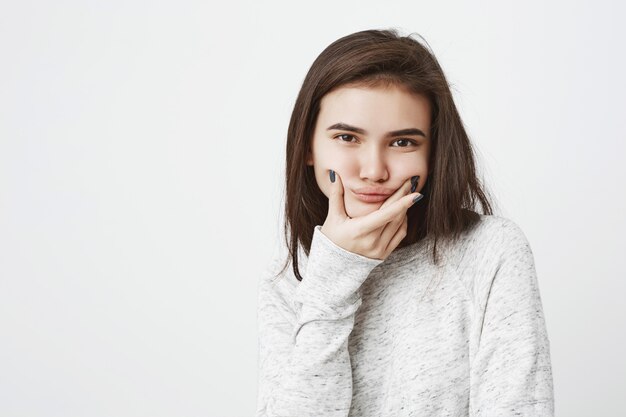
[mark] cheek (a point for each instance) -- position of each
(418, 164)
(336, 159)
(341, 166)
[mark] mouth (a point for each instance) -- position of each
(371, 198)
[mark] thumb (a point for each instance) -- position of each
(336, 206)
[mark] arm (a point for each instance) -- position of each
(304, 363)
(511, 373)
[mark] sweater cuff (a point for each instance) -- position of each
(333, 275)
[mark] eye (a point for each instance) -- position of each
(408, 141)
(344, 134)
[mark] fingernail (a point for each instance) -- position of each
(332, 175)
(417, 198)
(414, 181)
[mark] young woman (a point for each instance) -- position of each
(401, 299)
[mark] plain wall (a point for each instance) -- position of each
(141, 177)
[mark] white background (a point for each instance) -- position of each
(141, 177)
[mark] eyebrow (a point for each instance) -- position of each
(401, 132)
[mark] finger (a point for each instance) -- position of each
(394, 224)
(402, 191)
(381, 217)
(336, 207)
(398, 237)
(390, 230)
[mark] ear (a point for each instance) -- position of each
(309, 158)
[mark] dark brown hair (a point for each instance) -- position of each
(372, 58)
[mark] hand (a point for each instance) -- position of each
(375, 235)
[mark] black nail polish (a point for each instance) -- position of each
(418, 198)
(332, 176)
(414, 181)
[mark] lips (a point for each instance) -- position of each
(372, 198)
(374, 190)
(374, 194)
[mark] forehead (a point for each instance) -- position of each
(375, 108)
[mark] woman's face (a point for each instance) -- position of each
(354, 137)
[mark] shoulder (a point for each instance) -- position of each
(492, 234)
(481, 250)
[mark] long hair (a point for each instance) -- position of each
(371, 58)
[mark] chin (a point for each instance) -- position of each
(361, 209)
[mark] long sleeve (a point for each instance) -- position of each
(304, 363)
(511, 373)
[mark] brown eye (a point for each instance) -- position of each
(407, 141)
(344, 135)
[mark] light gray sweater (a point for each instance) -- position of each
(402, 337)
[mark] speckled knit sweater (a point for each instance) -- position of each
(363, 337)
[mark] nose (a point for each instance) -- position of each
(374, 166)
